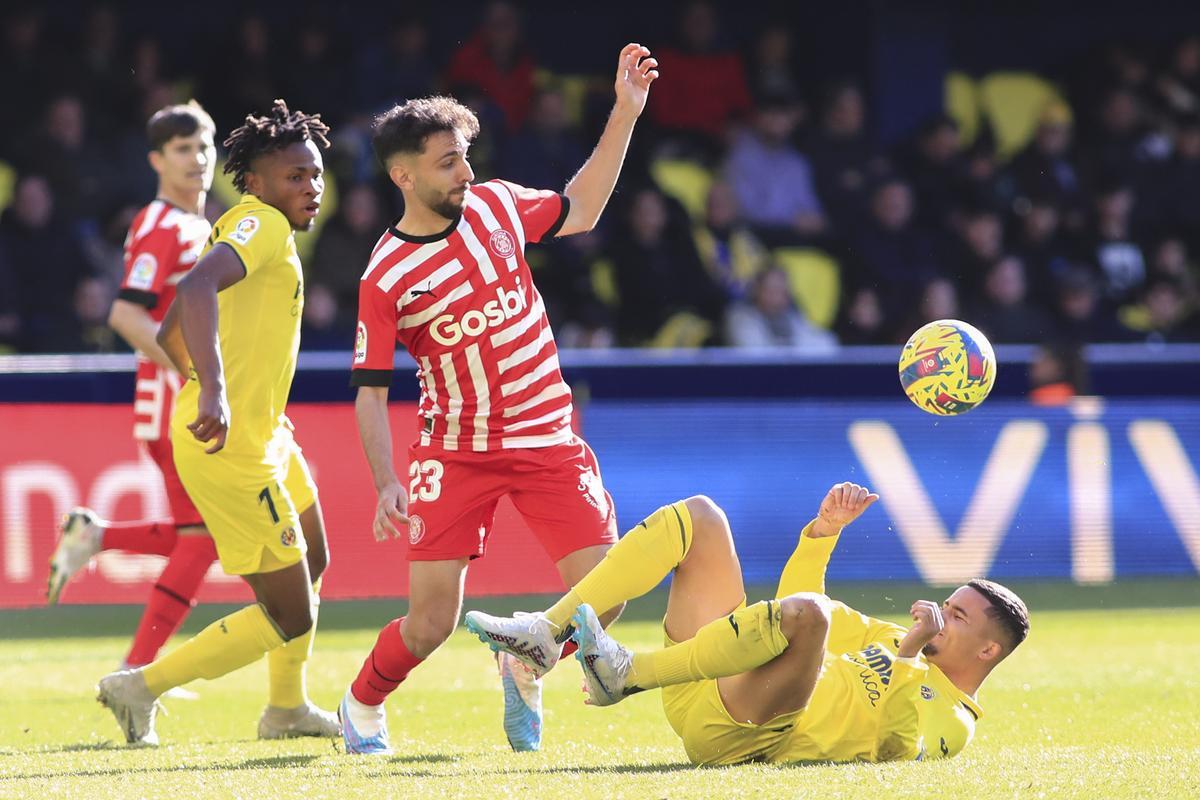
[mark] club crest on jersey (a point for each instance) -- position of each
(502, 244)
(592, 489)
(288, 537)
(416, 529)
(141, 274)
(360, 344)
(927, 693)
(244, 231)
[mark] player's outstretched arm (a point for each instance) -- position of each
(842, 504)
(805, 570)
(196, 297)
(391, 510)
(591, 187)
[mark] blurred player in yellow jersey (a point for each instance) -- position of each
(234, 329)
(794, 679)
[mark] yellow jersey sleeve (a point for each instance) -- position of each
(257, 232)
(805, 570)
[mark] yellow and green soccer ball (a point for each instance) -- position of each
(947, 367)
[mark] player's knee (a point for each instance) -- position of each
(709, 522)
(804, 614)
(424, 633)
(318, 562)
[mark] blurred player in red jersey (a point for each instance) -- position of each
(450, 282)
(163, 242)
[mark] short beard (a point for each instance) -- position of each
(447, 209)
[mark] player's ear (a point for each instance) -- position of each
(399, 172)
(992, 652)
(155, 157)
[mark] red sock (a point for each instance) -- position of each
(152, 538)
(569, 647)
(386, 667)
(172, 597)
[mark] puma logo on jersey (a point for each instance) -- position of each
(450, 331)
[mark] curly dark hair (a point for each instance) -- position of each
(1008, 610)
(273, 131)
(404, 128)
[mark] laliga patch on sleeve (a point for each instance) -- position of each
(141, 274)
(360, 344)
(244, 231)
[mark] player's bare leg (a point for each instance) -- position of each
(289, 712)
(435, 602)
(708, 582)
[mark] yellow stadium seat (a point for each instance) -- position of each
(815, 279)
(962, 103)
(604, 283)
(682, 329)
(686, 181)
(1013, 103)
(8, 184)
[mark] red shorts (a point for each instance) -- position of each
(452, 499)
(183, 512)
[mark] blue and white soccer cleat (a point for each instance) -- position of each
(606, 663)
(529, 638)
(364, 728)
(522, 703)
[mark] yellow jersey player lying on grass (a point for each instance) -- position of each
(798, 678)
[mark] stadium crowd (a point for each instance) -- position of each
(756, 208)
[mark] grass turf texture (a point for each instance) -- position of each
(1102, 701)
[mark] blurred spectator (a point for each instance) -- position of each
(861, 319)
(30, 74)
(1110, 244)
(397, 69)
(772, 180)
(1179, 200)
(843, 160)
(241, 77)
(1170, 259)
(1004, 314)
(10, 307)
(547, 152)
(893, 257)
(316, 76)
(935, 169)
(344, 248)
(731, 252)
(1057, 373)
(326, 325)
(771, 318)
(773, 63)
(1163, 314)
(1046, 166)
(1080, 312)
(704, 84)
(980, 244)
(1122, 146)
(563, 271)
(31, 239)
(101, 64)
(1179, 86)
(497, 62)
(87, 330)
(75, 165)
(658, 271)
(938, 300)
(1038, 241)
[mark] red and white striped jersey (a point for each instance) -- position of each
(163, 243)
(463, 303)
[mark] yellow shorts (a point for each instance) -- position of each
(709, 734)
(251, 504)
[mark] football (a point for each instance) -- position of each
(947, 367)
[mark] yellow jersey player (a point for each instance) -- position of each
(795, 679)
(234, 329)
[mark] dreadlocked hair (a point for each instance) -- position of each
(277, 129)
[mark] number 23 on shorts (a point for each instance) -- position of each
(426, 483)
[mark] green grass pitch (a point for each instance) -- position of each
(1103, 701)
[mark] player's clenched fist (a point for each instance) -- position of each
(391, 512)
(928, 623)
(844, 503)
(212, 418)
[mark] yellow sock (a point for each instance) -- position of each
(286, 664)
(633, 566)
(747, 638)
(228, 644)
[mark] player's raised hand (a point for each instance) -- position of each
(636, 70)
(212, 418)
(391, 512)
(928, 623)
(843, 504)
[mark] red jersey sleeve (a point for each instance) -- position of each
(148, 263)
(375, 337)
(540, 212)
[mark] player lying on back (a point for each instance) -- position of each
(794, 679)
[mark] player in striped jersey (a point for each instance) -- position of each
(163, 243)
(450, 282)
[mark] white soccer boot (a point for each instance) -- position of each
(364, 728)
(606, 663)
(527, 637)
(125, 694)
(306, 720)
(78, 541)
(522, 703)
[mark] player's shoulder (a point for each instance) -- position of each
(249, 219)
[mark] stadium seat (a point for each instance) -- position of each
(604, 282)
(1013, 102)
(574, 89)
(961, 98)
(686, 181)
(815, 278)
(683, 329)
(8, 182)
